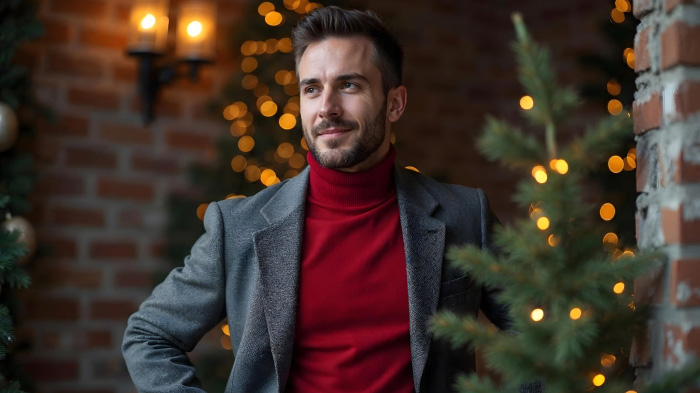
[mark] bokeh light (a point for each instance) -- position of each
(607, 211)
(246, 143)
(537, 314)
(615, 164)
(575, 313)
(526, 102)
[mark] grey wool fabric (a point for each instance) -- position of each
(245, 268)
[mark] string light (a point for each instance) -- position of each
(607, 211)
(285, 150)
(249, 48)
(540, 174)
(238, 128)
(615, 164)
(249, 64)
(303, 144)
(607, 360)
(268, 177)
(297, 161)
(265, 8)
(412, 168)
(575, 313)
(252, 173)
(617, 16)
(619, 288)
(537, 314)
(268, 108)
(561, 166)
(239, 163)
(543, 223)
(614, 106)
(527, 103)
(610, 239)
(260, 47)
(274, 18)
(201, 209)
(552, 240)
(287, 121)
(614, 87)
(246, 143)
(285, 45)
(627, 253)
(271, 46)
(225, 329)
(623, 5)
(599, 380)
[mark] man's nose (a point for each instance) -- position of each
(330, 105)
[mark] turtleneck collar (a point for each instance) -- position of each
(351, 189)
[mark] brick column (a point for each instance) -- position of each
(667, 125)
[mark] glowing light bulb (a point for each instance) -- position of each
(543, 223)
(540, 174)
(537, 314)
(552, 240)
(194, 29)
(607, 211)
(616, 164)
(526, 102)
(599, 380)
(610, 238)
(619, 288)
(575, 313)
(561, 166)
(607, 360)
(148, 21)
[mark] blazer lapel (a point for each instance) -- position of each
(278, 250)
(424, 242)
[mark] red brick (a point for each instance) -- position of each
(50, 308)
(95, 9)
(642, 57)
(647, 115)
(134, 279)
(94, 36)
(686, 171)
(112, 309)
(685, 282)
(27, 57)
(51, 340)
(679, 45)
(70, 216)
(126, 133)
(122, 12)
(124, 72)
(74, 64)
(158, 249)
(130, 218)
(96, 98)
(677, 230)
(647, 288)
(92, 339)
(46, 275)
(160, 165)
(113, 249)
(164, 106)
(45, 152)
(647, 167)
(687, 97)
(689, 341)
(52, 369)
(61, 247)
(188, 140)
(91, 157)
(65, 125)
(125, 189)
(60, 184)
(671, 4)
(55, 31)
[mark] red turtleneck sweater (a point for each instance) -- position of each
(352, 327)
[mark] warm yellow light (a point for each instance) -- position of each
(234, 196)
(627, 253)
(225, 329)
(285, 45)
(312, 6)
(282, 77)
(303, 144)
(246, 143)
(268, 108)
(623, 5)
(148, 21)
(630, 163)
(249, 48)
(540, 174)
(267, 176)
(238, 128)
(626, 52)
(631, 391)
(239, 163)
(619, 287)
(252, 173)
(615, 164)
(607, 211)
(271, 46)
(543, 223)
(610, 239)
(265, 8)
(231, 112)
(201, 209)
(297, 161)
(249, 82)
(614, 87)
(607, 360)
(552, 240)
(287, 121)
(290, 174)
(561, 166)
(412, 168)
(226, 343)
(614, 106)
(273, 18)
(537, 314)
(599, 380)
(617, 16)
(249, 64)
(630, 60)
(194, 28)
(292, 108)
(575, 313)
(526, 102)
(632, 153)
(285, 150)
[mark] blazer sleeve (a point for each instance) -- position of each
(495, 311)
(185, 306)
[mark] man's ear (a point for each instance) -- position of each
(396, 103)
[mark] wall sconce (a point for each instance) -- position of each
(148, 39)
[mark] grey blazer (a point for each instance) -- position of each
(246, 268)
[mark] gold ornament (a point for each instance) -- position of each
(27, 235)
(8, 127)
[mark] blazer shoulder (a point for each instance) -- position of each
(446, 193)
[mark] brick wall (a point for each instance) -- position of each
(667, 122)
(105, 176)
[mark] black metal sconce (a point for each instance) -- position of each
(148, 41)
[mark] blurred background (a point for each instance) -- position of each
(118, 199)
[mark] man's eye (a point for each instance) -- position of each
(310, 90)
(348, 85)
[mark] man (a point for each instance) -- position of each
(328, 280)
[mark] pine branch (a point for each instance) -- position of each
(594, 147)
(462, 331)
(501, 141)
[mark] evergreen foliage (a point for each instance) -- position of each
(560, 267)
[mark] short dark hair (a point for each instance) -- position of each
(333, 21)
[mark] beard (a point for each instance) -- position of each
(362, 146)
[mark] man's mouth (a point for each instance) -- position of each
(333, 131)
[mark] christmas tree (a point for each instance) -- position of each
(18, 23)
(572, 308)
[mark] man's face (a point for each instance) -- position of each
(343, 109)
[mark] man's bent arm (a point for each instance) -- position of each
(185, 306)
